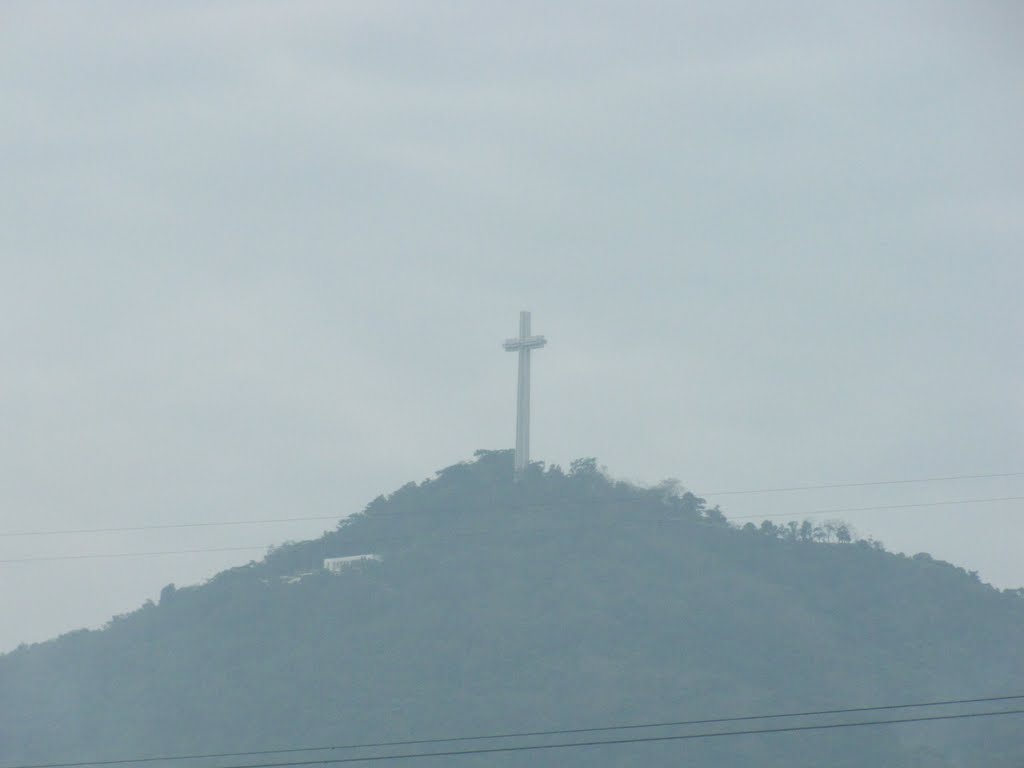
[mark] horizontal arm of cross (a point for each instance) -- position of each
(528, 342)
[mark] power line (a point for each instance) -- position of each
(529, 734)
(863, 484)
(840, 510)
(266, 521)
(128, 554)
(636, 740)
(211, 524)
(843, 510)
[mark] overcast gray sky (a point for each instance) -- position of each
(258, 259)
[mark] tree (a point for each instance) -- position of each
(691, 505)
(584, 467)
(715, 515)
(806, 531)
(670, 488)
(167, 594)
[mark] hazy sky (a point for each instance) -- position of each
(257, 260)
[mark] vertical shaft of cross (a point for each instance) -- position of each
(523, 345)
(523, 399)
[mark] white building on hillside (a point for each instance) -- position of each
(338, 564)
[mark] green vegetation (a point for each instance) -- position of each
(567, 600)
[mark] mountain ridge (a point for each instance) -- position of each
(566, 599)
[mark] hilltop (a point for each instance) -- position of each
(566, 600)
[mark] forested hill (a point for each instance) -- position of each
(567, 600)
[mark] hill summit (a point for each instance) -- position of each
(472, 604)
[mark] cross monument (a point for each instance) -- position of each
(523, 345)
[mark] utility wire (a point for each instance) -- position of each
(841, 510)
(211, 524)
(875, 509)
(127, 554)
(635, 740)
(862, 485)
(528, 734)
(218, 523)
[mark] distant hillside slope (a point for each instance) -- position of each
(568, 600)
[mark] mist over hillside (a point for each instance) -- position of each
(566, 600)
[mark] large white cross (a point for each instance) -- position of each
(523, 345)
